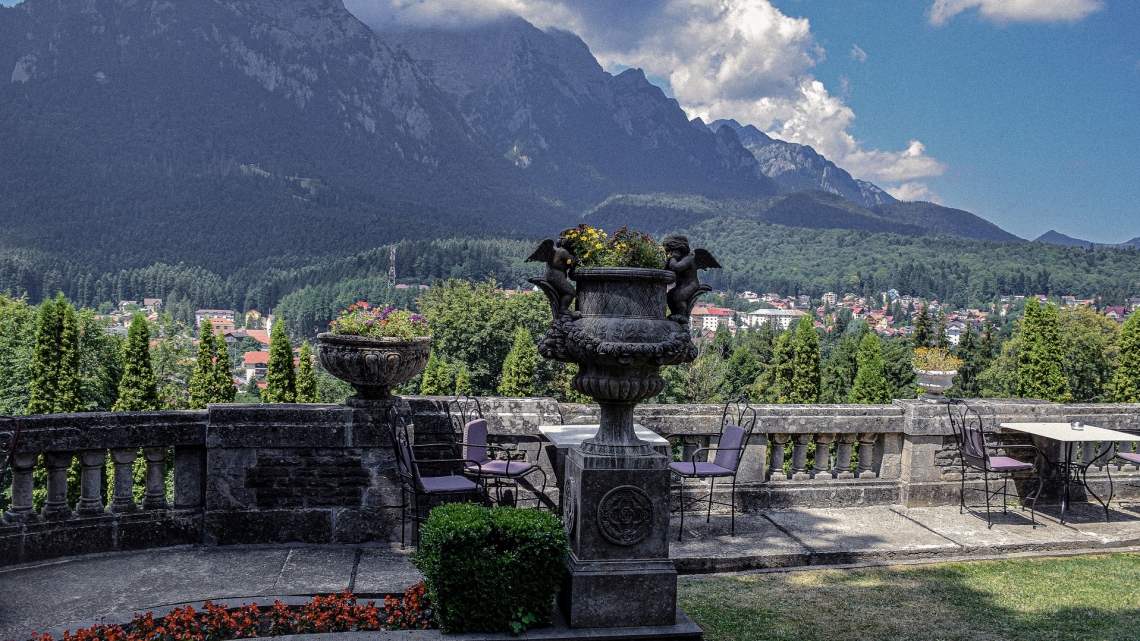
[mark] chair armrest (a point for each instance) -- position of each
(453, 460)
(488, 446)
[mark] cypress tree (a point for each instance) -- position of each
(436, 380)
(837, 374)
(280, 379)
(463, 381)
(783, 367)
(941, 338)
(223, 388)
(70, 390)
(741, 371)
(1126, 382)
(1040, 370)
(44, 379)
(306, 379)
(921, 335)
(137, 388)
(202, 381)
(870, 381)
(519, 366)
(805, 379)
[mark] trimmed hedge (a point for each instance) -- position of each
(491, 570)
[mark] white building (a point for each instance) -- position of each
(829, 299)
(782, 318)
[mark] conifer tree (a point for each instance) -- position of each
(805, 379)
(975, 360)
(519, 366)
(871, 384)
(70, 394)
(837, 373)
(137, 388)
(280, 379)
(223, 387)
(202, 381)
(783, 368)
(1126, 382)
(306, 379)
(741, 371)
(941, 337)
(463, 381)
(1040, 364)
(436, 380)
(44, 379)
(922, 335)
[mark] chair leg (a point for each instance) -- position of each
(681, 498)
(732, 506)
(986, 480)
(712, 487)
(962, 492)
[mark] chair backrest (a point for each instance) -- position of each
(461, 410)
(967, 425)
(731, 446)
(739, 412)
(475, 440)
(405, 459)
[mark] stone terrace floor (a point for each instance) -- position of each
(75, 592)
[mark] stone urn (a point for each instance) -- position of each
(372, 366)
(935, 382)
(620, 341)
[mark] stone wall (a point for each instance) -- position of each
(325, 473)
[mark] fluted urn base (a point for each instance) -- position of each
(617, 390)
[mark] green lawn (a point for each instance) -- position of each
(1084, 597)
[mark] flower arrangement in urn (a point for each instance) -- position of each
(626, 248)
(374, 349)
(935, 368)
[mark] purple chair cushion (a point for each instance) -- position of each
(1007, 464)
(500, 468)
(728, 449)
(475, 437)
(440, 484)
(703, 469)
(1129, 456)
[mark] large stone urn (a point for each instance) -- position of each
(372, 366)
(626, 325)
(934, 382)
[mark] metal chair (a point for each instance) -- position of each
(982, 451)
(736, 424)
(498, 463)
(423, 490)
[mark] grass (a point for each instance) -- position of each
(1084, 597)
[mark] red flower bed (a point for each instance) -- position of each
(332, 613)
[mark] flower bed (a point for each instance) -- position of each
(626, 248)
(361, 319)
(332, 613)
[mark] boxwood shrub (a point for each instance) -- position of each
(491, 570)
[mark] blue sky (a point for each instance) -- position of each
(1025, 112)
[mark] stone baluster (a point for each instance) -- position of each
(867, 456)
(155, 496)
(776, 468)
(843, 457)
(56, 506)
(820, 468)
(23, 466)
(799, 457)
(91, 482)
(124, 495)
(1106, 451)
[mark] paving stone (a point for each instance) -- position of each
(316, 570)
(711, 547)
(385, 571)
(859, 534)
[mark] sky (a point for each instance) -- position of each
(1025, 112)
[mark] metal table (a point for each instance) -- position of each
(1069, 434)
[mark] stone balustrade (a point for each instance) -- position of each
(325, 473)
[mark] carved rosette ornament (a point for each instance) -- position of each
(625, 515)
(373, 366)
(626, 325)
(570, 505)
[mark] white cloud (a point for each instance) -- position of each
(858, 54)
(740, 59)
(1002, 11)
(914, 191)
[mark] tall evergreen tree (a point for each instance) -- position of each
(463, 381)
(778, 387)
(202, 381)
(838, 371)
(306, 379)
(137, 388)
(922, 337)
(975, 360)
(280, 379)
(519, 366)
(871, 384)
(805, 379)
(436, 380)
(741, 371)
(44, 380)
(941, 331)
(1040, 367)
(1126, 382)
(223, 387)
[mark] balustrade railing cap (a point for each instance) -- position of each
(623, 273)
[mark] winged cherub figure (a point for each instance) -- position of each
(560, 262)
(685, 263)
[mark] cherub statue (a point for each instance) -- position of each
(685, 264)
(560, 263)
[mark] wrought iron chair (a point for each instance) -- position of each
(502, 464)
(736, 424)
(419, 490)
(982, 451)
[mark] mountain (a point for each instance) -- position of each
(1054, 237)
(582, 134)
(797, 167)
(936, 220)
(215, 131)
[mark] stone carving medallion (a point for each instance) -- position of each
(625, 515)
(570, 506)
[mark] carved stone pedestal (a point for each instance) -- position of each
(619, 573)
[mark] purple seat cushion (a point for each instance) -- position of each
(500, 468)
(475, 437)
(438, 484)
(1129, 456)
(728, 448)
(1007, 464)
(703, 469)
